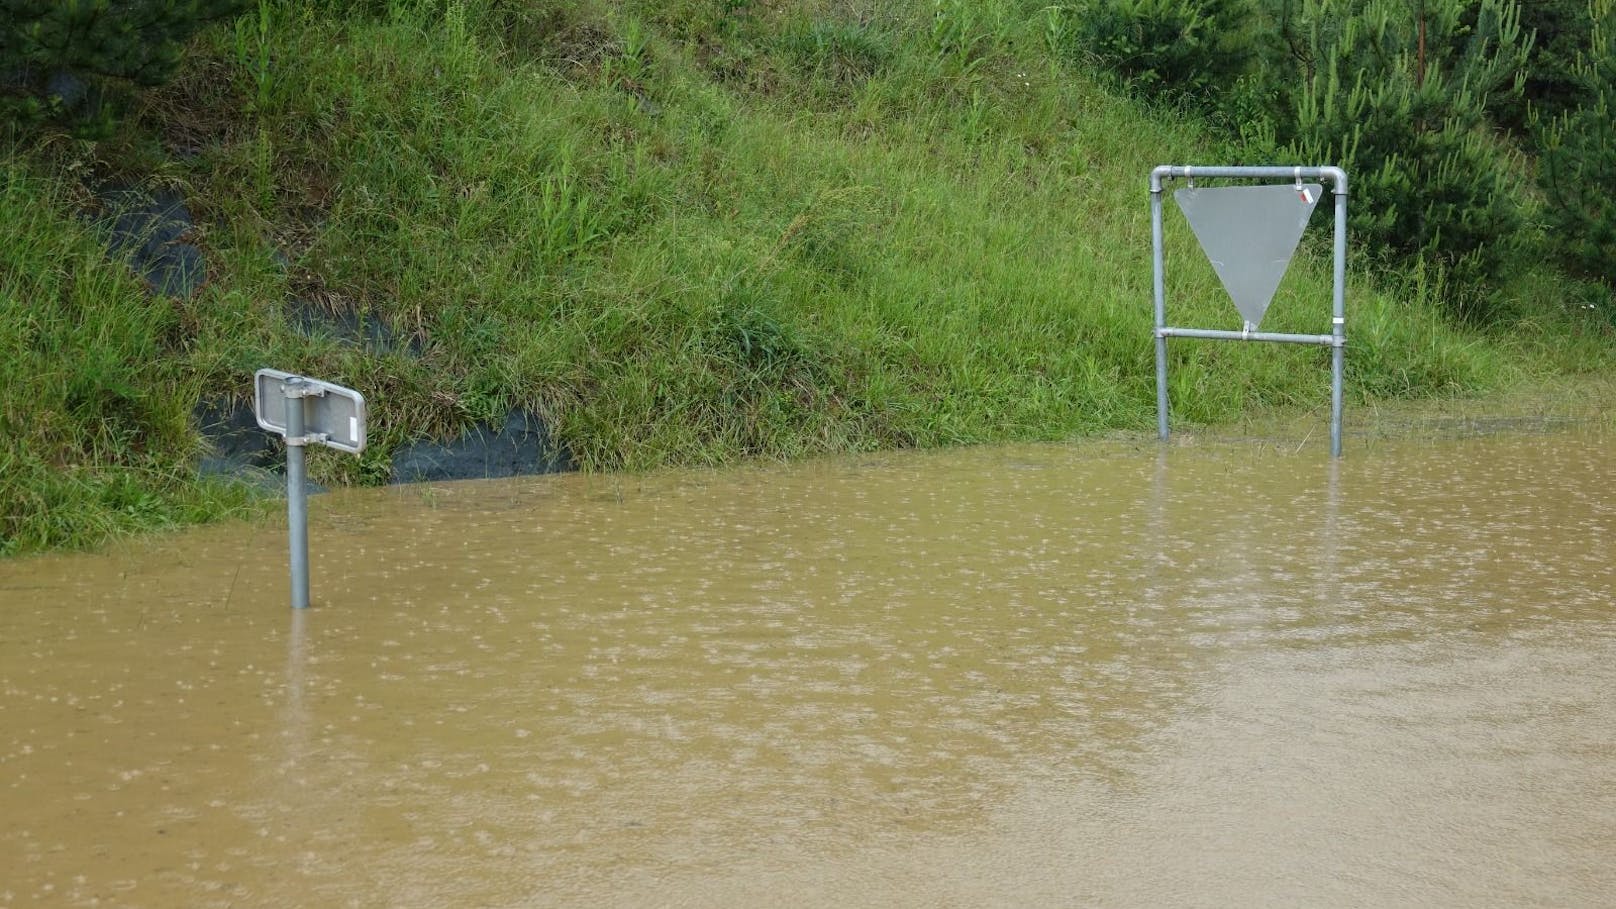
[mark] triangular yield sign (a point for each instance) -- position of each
(1250, 234)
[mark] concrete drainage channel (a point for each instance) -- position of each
(150, 229)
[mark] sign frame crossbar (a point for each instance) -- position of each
(1336, 339)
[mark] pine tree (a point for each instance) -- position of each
(73, 58)
(1579, 156)
(1400, 94)
(1185, 48)
(1561, 36)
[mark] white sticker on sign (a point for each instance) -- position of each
(353, 427)
(1307, 195)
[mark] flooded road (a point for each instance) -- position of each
(1215, 675)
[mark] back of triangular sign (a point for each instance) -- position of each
(1250, 234)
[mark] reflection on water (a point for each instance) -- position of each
(1046, 676)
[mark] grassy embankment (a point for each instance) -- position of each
(684, 232)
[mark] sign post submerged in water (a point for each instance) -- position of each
(1249, 233)
(304, 410)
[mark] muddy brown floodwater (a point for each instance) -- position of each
(1219, 674)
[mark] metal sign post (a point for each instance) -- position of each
(1249, 234)
(304, 410)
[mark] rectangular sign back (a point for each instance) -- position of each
(332, 410)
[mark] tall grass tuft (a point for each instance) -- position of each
(94, 413)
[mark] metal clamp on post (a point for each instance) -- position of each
(296, 387)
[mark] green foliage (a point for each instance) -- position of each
(73, 58)
(1562, 34)
(94, 433)
(1186, 47)
(1579, 157)
(1399, 95)
(1402, 95)
(964, 32)
(838, 52)
(683, 231)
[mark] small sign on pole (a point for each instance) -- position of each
(304, 411)
(334, 413)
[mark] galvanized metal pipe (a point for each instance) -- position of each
(1218, 334)
(1159, 268)
(1335, 175)
(297, 512)
(1338, 320)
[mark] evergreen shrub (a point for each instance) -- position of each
(1579, 158)
(1178, 47)
(74, 59)
(1400, 96)
(1404, 95)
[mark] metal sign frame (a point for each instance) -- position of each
(1336, 339)
(315, 412)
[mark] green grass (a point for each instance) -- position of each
(94, 437)
(686, 232)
